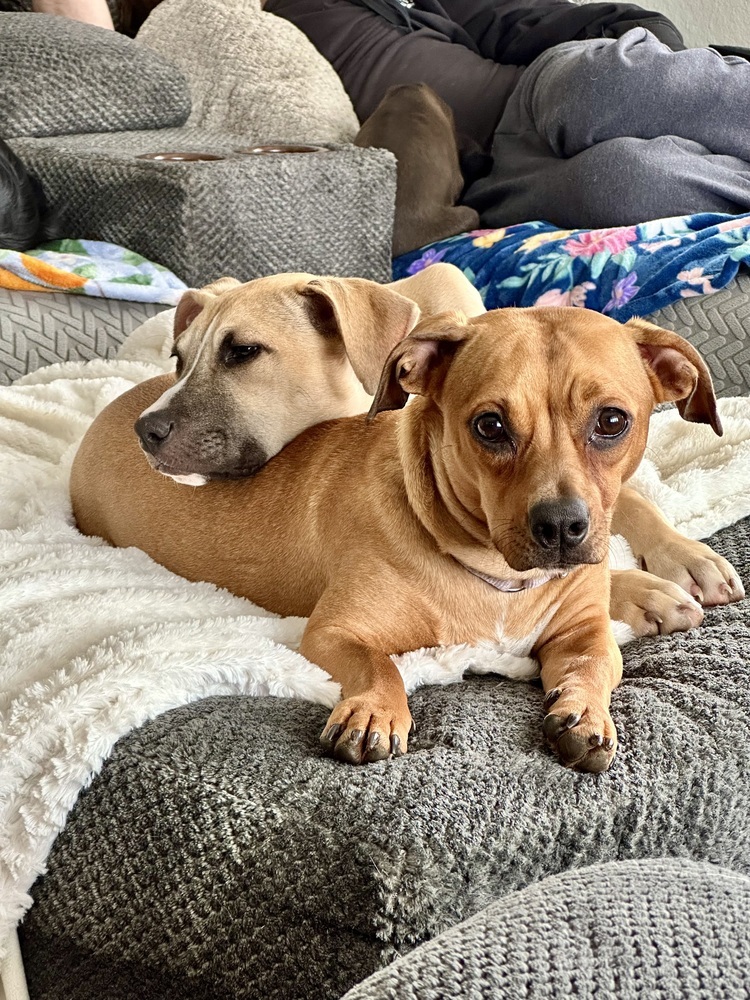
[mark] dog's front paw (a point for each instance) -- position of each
(580, 730)
(651, 605)
(367, 728)
(706, 576)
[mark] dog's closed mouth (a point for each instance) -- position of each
(194, 478)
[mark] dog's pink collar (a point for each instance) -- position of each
(512, 586)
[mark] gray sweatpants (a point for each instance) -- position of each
(616, 132)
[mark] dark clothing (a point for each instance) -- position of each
(471, 52)
(371, 55)
(612, 133)
(612, 123)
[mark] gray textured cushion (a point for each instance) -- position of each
(80, 78)
(251, 73)
(719, 326)
(648, 930)
(219, 848)
(328, 212)
(39, 329)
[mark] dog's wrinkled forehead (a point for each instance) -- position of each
(225, 315)
(541, 357)
(267, 311)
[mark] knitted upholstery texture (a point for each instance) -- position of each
(251, 73)
(326, 212)
(219, 850)
(61, 76)
(718, 325)
(38, 329)
(643, 930)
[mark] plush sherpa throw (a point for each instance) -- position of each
(251, 74)
(95, 641)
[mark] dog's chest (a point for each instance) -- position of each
(481, 631)
(508, 622)
(496, 648)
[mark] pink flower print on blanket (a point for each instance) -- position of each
(612, 241)
(557, 297)
(701, 281)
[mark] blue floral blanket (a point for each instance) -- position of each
(625, 272)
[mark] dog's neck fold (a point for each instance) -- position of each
(458, 531)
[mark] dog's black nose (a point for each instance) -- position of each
(559, 524)
(153, 429)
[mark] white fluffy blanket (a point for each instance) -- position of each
(95, 641)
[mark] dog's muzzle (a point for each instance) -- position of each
(195, 454)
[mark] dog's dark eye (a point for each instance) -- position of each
(611, 423)
(489, 428)
(236, 354)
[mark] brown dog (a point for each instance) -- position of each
(481, 511)
(417, 127)
(259, 363)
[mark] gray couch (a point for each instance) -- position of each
(325, 211)
(220, 854)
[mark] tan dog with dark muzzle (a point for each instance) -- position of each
(257, 363)
(480, 512)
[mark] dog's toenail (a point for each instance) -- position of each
(412, 728)
(608, 743)
(596, 740)
(333, 732)
(550, 698)
(572, 720)
(552, 727)
(355, 736)
(373, 740)
(396, 746)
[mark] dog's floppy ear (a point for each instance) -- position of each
(416, 363)
(195, 300)
(678, 373)
(369, 318)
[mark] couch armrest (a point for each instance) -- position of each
(325, 212)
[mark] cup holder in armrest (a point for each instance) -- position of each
(279, 147)
(177, 157)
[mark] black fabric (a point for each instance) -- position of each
(25, 218)
(732, 50)
(512, 32)
(424, 14)
(376, 44)
(371, 54)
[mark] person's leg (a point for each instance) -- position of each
(619, 182)
(583, 93)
